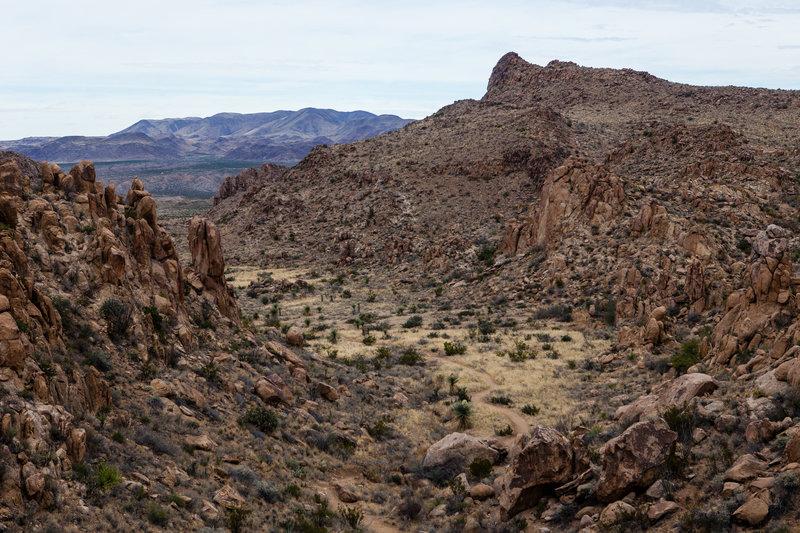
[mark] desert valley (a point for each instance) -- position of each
(570, 305)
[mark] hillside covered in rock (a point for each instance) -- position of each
(659, 215)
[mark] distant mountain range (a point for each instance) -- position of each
(280, 136)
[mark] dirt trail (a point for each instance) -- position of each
(518, 422)
(349, 478)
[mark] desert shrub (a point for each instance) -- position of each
(480, 468)
(351, 515)
(486, 254)
(502, 432)
(562, 313)
(787, 484)
(660, 365)
(210, 371)
(409, 506)
(369, 340)
(267, 492)
(501, 400)
(107, 476)
(681, 421)
(530, 409)
(688, 355)
(413, 322)
(486, 328)
(157, 514)
(155, 316)
(410, 358)
(64, 308)
(154, 442)
(261, 417)
(98, 360)
(521, 352)
(462, 410)
(236, 519)
(454, 348)
(462, 395)
(117, 316)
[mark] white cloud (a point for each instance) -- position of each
(95, 67)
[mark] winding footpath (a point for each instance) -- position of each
(517, 422)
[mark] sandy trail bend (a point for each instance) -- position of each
(517, 422)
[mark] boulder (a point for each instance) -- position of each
(614, 512)
(228, 497)
(294, 337)
(686, 387)
(545, 462)
(752, 512)
(456, 451)
(746, 467)
(660, 509)
(481, 491)
(791, 452)
(327, 392)
(634, 459)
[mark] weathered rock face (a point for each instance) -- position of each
(209, 265)
(758, 313)
(457, 450)
(576, 192)
(248, 178)
(633, 460)
(545, 462)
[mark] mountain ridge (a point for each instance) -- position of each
(284, 136)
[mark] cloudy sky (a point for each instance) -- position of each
(88, 67)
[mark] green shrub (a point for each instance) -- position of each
(261, 417)
(413, 322)
(454, 348)
(64, 308)
(98, 360)
(236, 519)
(508, 430)
(681, 421)
(117, 316)
(107, 476)
(463, 412)
(410, 358)
(486, 254)
(155, 316)
(480, 467)
(530, 409)
(157, 514)
(688, 355)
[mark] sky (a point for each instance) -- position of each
(88, 67)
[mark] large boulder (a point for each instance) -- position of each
(544, 463)
(679, 392)
(456, 451)
(634, 459)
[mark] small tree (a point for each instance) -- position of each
(118, 317)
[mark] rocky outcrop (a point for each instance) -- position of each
(757, 314)
(233, 185)
(633, 460)
(209, 265)
(576, 193)
(545, 462)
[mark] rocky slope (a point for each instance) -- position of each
(662, 214)
(119, 378)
